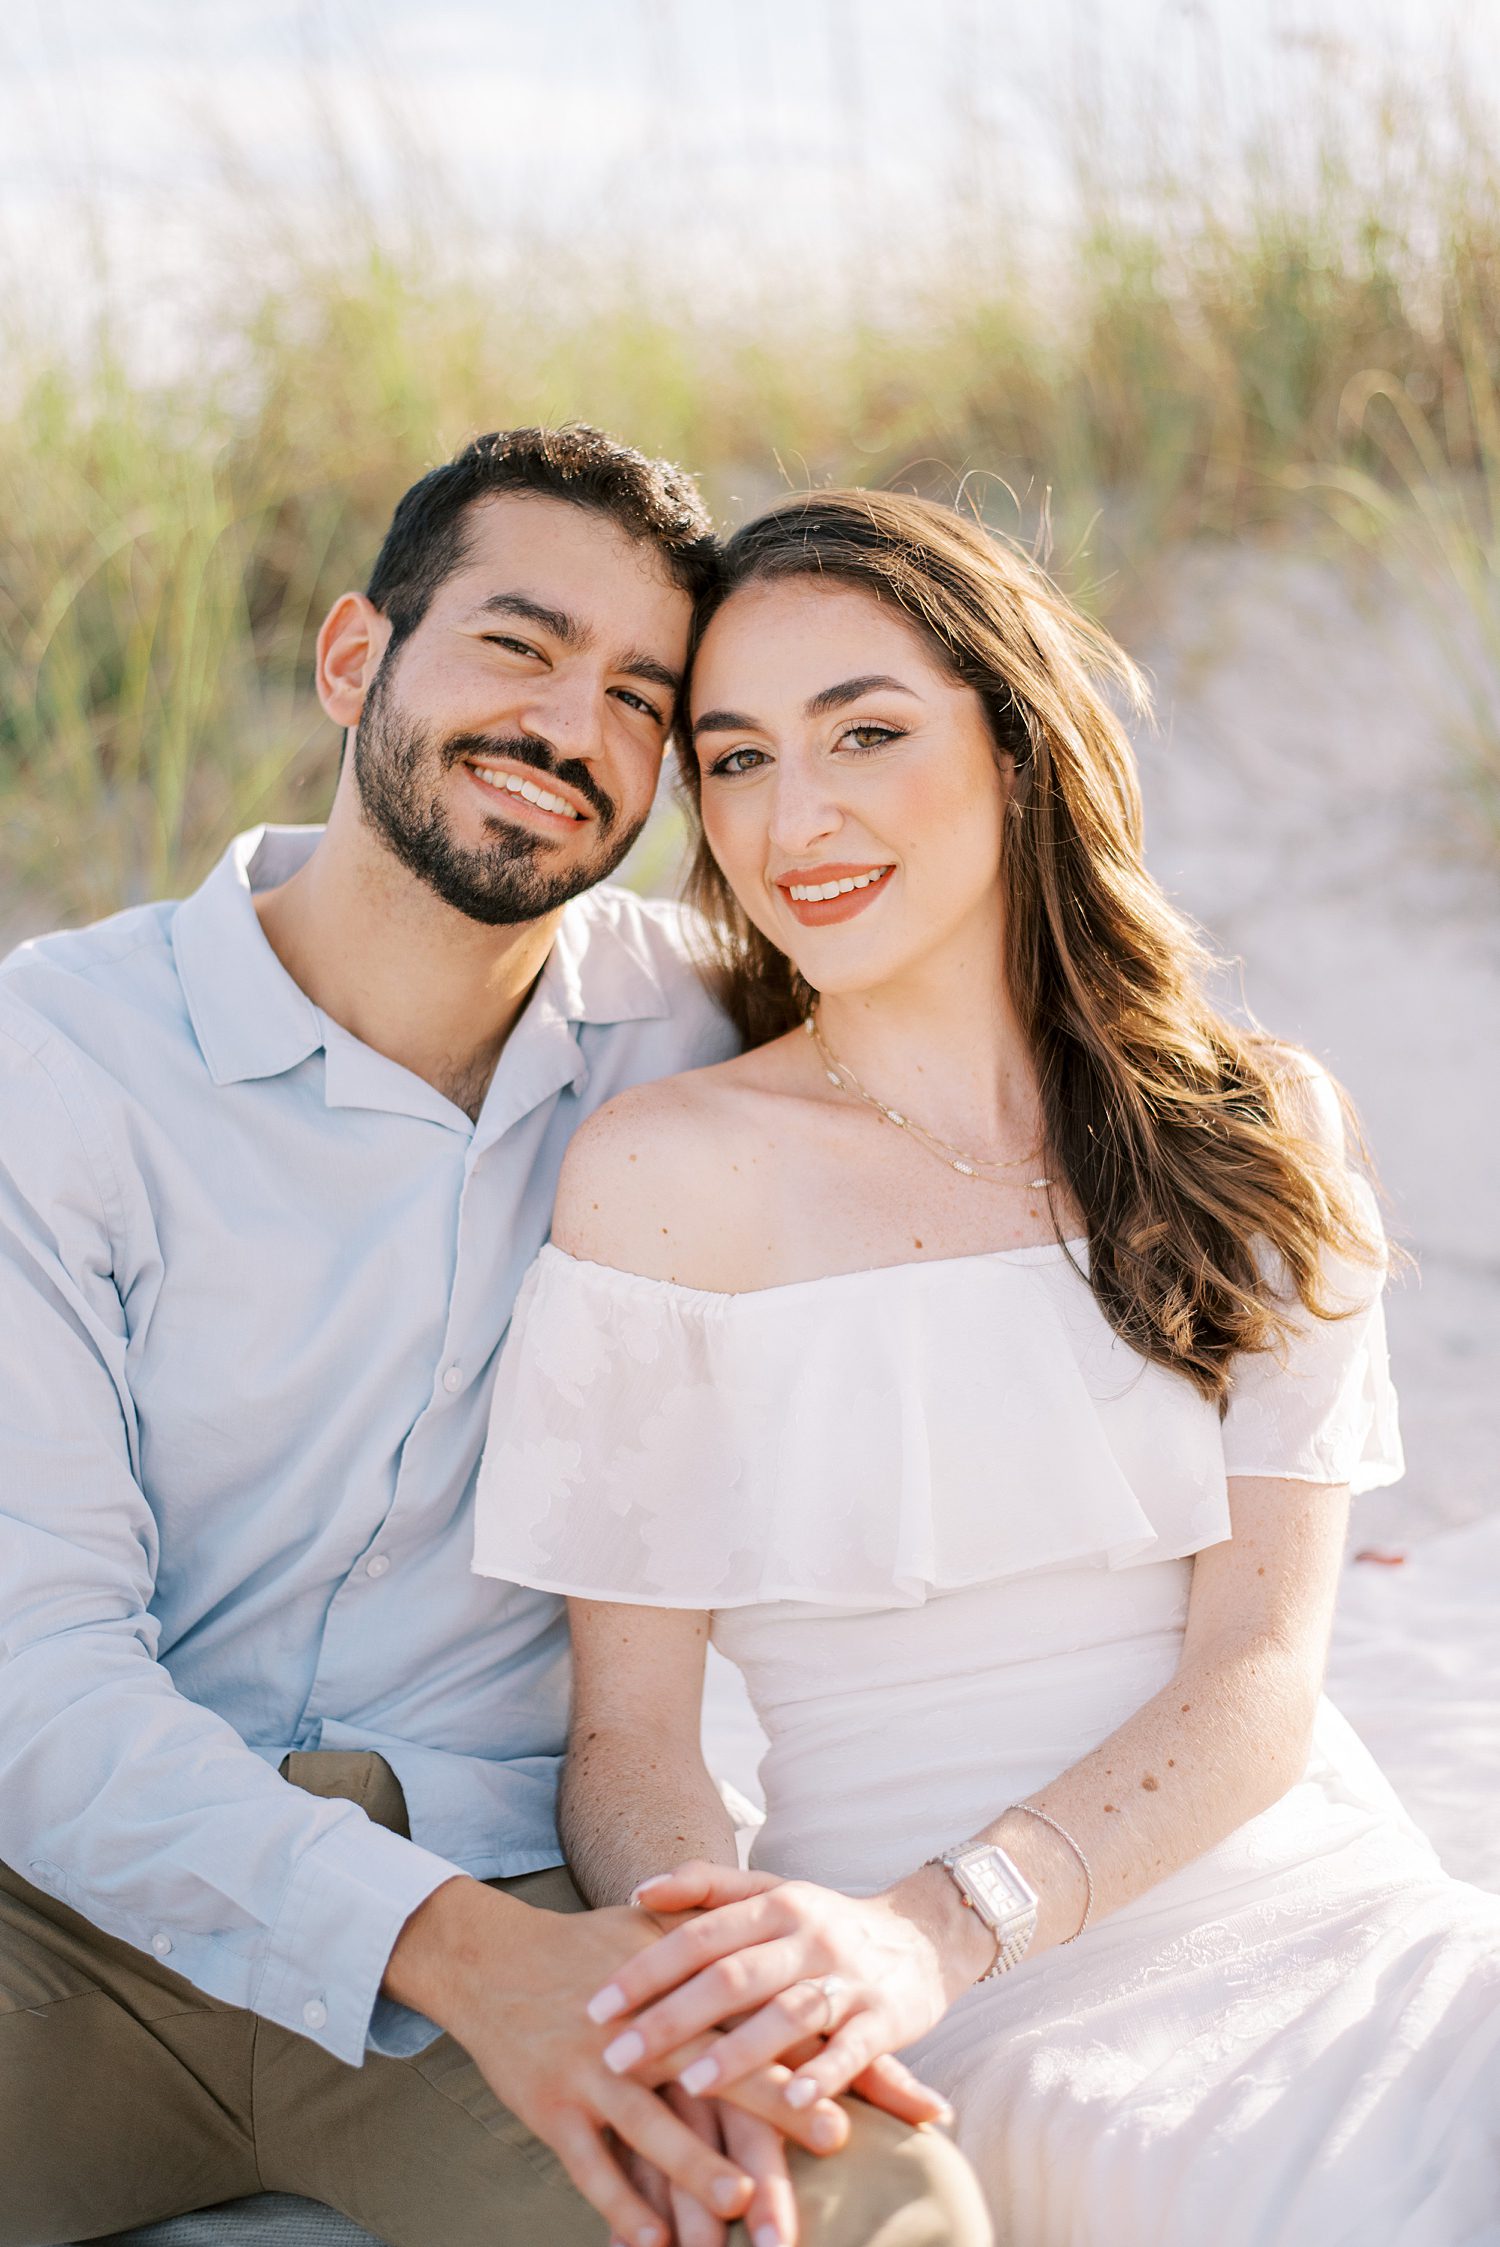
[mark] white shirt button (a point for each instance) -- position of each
(453, 1380)
(377, 1564)
(162, 1945)
(315, 2015)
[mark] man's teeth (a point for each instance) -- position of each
(513, 785)
(809, 893)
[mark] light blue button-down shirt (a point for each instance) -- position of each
(253, 1279)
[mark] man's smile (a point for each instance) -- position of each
(515, 785)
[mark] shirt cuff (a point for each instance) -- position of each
(351, 1894)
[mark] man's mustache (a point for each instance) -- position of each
(530, 749)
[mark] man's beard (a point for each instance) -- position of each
(398, 768)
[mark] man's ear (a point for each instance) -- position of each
(351, 643)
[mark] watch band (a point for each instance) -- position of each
(993, 1887)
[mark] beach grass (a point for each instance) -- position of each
(1320, 348)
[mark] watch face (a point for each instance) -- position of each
(996, 1885)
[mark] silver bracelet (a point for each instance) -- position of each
(1063, 1834)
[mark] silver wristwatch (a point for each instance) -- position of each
(994, 1886)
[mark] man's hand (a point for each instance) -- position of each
(510, 1983)
(761, 2152)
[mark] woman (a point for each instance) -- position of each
(984, 1360)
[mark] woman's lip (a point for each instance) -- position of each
(822, 912)
(507, 804)
(831, 872)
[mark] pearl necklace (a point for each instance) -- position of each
(843, 1079)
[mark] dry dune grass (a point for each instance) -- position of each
(1327, 350)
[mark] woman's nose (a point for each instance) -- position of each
(802, 812)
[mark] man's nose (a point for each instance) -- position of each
(567, 712)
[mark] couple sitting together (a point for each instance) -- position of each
(894, 1270)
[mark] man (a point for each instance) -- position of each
(276, 1771)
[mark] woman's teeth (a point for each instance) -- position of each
(513, 785)
(809, 893)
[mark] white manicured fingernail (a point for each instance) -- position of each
(800, 2092)
(697, 2079)
(624, 2052)
(608, 2002)
(766, 2235)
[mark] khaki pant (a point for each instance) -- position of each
(126, 2095)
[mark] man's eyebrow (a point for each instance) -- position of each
(573, 634)
(850, 690)
(556, 621)
(637, 665)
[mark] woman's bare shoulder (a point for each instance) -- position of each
(668, 1179)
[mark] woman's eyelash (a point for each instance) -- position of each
(883, 734)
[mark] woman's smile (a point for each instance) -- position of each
(817, 895)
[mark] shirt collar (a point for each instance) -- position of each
(249, 1017)
(252, 1020)
(599, 969)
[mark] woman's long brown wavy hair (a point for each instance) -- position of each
(1185, 1140)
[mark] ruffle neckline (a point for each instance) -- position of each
(857, 1442)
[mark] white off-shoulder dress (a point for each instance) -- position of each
(944, 1519)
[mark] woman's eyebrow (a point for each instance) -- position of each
(726, 721)
(850, 690)
(817, 706)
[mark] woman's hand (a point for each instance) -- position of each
(787, 1961)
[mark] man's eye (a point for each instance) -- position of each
(639, 702)
(504, 640)
(870, 736)
(738, 760)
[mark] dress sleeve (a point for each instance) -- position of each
(1321, 1407)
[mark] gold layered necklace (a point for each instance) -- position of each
(842, 1077)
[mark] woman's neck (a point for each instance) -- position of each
(944, 1045)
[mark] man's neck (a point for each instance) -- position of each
(397, 968)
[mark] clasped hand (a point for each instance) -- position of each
(777, 1964)
(511, 1982)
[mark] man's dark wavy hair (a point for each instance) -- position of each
(651, 500)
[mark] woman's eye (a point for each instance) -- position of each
(738, 760)
(869, 736)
